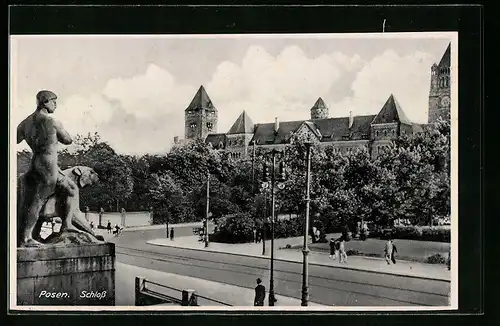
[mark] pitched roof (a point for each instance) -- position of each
(264, 133)
(201, 100)
(320, 104)
(338, 128)
(217, 140)
(446, 59)
(391, 112)
(330, 129)
(242, 125)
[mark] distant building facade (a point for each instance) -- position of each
(374, 132)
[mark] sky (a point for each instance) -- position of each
(133, 90)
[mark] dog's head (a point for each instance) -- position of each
(85, 176)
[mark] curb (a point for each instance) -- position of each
(294, 261)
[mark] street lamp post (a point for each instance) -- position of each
(264, 225)
(208, 210)
(271, 282)
(305, 250)
(274, 152)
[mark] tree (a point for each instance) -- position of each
(420, 165)
(168, 200)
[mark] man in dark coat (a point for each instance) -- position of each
(260, 293)
(171, 233)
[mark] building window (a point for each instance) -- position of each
(376, 133)
(385, 133)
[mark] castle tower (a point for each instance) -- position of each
(439, 94)
(319, 110)
(240, 135)
(200, 117)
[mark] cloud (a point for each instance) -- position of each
(406, 77)
(135, 115)
(286, 85)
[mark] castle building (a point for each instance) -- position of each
(374, 132)
(439, 95)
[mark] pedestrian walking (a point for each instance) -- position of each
(342, 251)
(108, 227)
(92, 225)
(388, 251)
(171, 233)
(333, 250)
(117, 230)
(260, 294)
(394, 251)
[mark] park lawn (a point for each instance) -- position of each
(412, 250)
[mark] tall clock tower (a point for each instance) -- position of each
(439, 95)
(200, 117)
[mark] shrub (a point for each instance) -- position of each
(423, 233)
(436, 234)
(239, 229)
(436, 259)
(407, 232)
(234, 229)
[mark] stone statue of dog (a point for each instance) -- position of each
(82, 176)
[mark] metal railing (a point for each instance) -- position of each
(147, 296)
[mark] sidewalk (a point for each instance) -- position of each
(234, 295)
(372, 265)
(161, 226)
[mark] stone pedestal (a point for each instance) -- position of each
(73, 275)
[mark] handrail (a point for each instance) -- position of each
(162, 285)
(213, 300)
(142, 288)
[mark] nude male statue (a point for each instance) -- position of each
(44, 177)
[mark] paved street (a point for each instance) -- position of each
(327, 285)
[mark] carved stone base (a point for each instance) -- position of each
(66, 238)
(66, 275)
